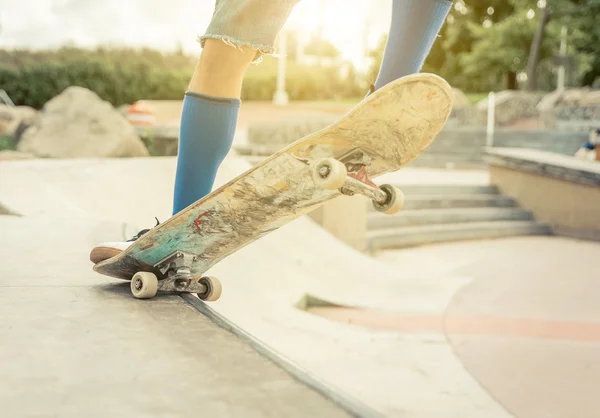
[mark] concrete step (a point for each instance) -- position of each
(446, 161)
(431, 155)
(451, 201)
(419, 235)
(445, 216)
(455, 149)
(446, 189)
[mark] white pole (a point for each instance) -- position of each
(491, 122)
(281, 97)
(563, 53)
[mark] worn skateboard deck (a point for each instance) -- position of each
(391, 126)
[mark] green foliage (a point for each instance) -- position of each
(303, 82)
(7, 143)
(502, 48)
(117, 75)
(124, 75)
(485, 44)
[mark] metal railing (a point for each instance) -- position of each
(6, 99)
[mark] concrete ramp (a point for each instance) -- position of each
(268, 285)
(74, 344)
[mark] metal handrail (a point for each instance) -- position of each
(6, 99)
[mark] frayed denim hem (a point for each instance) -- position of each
(236, 43)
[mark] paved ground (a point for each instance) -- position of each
(168, 112)
(490, 328)
(74, 344)
(527, 326)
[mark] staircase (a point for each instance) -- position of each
(435, 214)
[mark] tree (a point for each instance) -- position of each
(535, 51)
(580, 16)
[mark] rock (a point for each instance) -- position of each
(78, 123)
(460, 99)
(511, 105)
(14, 120)
(592, 98)
(15, 155)
(462, 109)
(549, 101)
(569, 106)
(9, 120)
(570, 98)
(26, 114)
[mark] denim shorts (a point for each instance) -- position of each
(253, 23)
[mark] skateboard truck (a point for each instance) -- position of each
(177, 278)
(351, 177)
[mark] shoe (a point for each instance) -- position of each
(107, 250)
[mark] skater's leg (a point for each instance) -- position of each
(208, 120)
(239, 33)
(415, 26)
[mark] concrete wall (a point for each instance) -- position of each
(571, 208)
(473, 137)
(345, 217)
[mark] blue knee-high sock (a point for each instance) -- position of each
(415, 26)
(205, 137)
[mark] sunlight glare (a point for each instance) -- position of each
(353, 32)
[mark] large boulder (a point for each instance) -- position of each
(8, 120)
(462, 110)
(14, 120)
(460, 99)
(511, 105)
(569, 98)
(78, 123)
(571, 106)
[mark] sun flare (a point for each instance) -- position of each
(353, 27)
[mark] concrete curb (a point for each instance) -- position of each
(353, 406)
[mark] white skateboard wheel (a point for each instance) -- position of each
(329, 174)
(213, 289)
(394, 202)
(144, 285)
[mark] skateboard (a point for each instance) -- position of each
(385, 131)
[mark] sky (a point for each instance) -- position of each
(165, 24)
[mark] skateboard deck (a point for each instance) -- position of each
(387, 130)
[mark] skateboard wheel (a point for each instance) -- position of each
(144, 285)
(213, 289)
(394, 202)
(329, 173)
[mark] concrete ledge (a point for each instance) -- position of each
(353, 406)
(544, 163)
(559, 190)
(345, 218)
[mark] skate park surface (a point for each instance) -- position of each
(499, 328)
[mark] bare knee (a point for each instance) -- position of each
(221, 68)
(225, 57)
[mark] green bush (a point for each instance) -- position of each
(7, 143)
(303, 82)
(123, 76)
(36, 84)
